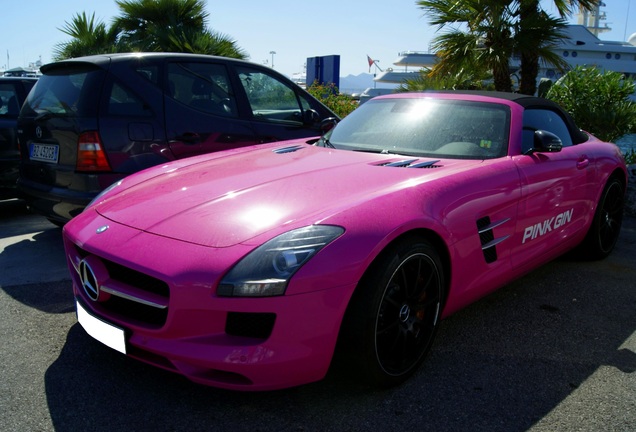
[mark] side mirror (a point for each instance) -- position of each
(311, 117)
(547, 142)
(327, 124)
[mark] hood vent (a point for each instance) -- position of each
(287, 149)
(411, 163)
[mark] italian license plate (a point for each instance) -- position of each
(44, 152)
(104, 332)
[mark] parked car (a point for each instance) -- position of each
(248, 269)
(13, 92)
(91, 121)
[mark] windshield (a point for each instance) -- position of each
(425, 128)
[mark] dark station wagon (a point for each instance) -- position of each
(91, 121)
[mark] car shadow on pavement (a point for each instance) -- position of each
(30, 265)
(504, 363)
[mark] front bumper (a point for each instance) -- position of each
(235, 343)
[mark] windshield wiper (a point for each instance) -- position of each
(378, 151)
(326, 143)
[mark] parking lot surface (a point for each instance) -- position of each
(554, 351)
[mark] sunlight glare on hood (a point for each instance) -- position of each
(261, 217)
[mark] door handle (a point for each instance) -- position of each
(583, 162)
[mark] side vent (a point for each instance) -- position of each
(485, 228)
(287, 149)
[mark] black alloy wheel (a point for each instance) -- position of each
(394, 314)
(606, 226)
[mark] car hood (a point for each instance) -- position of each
(220, 201)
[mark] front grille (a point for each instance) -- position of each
(135, 297)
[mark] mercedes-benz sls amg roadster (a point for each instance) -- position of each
(249, 269)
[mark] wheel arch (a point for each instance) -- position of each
(423, 233)
(350, 328)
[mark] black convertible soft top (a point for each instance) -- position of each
(526, 101)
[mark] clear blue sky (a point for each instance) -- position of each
(295, 30)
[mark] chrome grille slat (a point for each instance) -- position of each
(133, 294)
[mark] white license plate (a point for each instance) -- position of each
(104, 332)
(44, 152)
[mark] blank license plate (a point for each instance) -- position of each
(104, 332)
(44, 152)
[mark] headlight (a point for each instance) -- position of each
(266, 271)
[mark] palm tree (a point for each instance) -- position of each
(487, 44)
(538, 33)
(148, 25)
(172, 26)
(467, 79)
(495, 30)
(89, 37)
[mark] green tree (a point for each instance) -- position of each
(341, 104)
(599, 102)
(172, 26)
(148, 25)
(538, 34)
(467, 79)
(89, 37)
(487, 43)
(487, 33)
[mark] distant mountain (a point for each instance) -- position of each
(358, 83)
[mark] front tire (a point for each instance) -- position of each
(394, 314)
(606, 225)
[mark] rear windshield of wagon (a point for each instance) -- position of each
(66, 92)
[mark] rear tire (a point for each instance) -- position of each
(606, 225)
(394, 314)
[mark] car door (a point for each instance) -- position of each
(131, 117)
(557, 189)
(278, 109)
(202, 110)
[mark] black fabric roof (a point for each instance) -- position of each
(526, 101)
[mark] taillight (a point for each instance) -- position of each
(90, 153)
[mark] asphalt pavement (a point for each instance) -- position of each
(554, 351)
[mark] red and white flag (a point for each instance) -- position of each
(371, 62)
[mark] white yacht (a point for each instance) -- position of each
(580, 47)
(408, 63)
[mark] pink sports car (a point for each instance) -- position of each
(250, 269)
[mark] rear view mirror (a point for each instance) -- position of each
(547, 142)
(327, 124)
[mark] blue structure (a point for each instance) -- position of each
(325, 70)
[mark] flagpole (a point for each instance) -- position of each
(374, 63)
